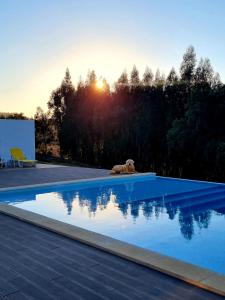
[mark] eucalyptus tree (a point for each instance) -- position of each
(187, 68)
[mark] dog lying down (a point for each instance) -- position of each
(128, 168)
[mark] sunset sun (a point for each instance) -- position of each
(100, 84)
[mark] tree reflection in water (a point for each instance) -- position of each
(125, 199)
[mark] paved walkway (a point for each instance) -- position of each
(38, 264)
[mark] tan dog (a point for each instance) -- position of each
(128, 168)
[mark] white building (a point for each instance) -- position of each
(19, 134)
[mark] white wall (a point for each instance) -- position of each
(17, 133)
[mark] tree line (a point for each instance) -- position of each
(172, 125)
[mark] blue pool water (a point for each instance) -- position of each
(179, 218)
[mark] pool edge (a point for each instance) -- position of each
(189, 273)
(83, 180)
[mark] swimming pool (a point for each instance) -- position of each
(182, 219)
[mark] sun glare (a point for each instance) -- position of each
(100, 84)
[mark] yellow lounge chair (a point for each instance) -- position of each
(19, 157)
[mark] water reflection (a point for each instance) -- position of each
(94, 199)
(196, 210)
(191, 210)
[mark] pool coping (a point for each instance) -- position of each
(187, 272)
(83, 180)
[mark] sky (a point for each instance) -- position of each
(39, 39)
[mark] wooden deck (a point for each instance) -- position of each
(38, 264)
(46, 174)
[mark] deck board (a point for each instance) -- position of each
(43, 265)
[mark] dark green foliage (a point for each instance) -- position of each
(174, 126)
(16, 116)
(44, 131)
(134, 77)
(148, 77)
(187, 68)
(172, 77)
(204, 72)
(60, 106)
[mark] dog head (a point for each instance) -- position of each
(130, 163)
